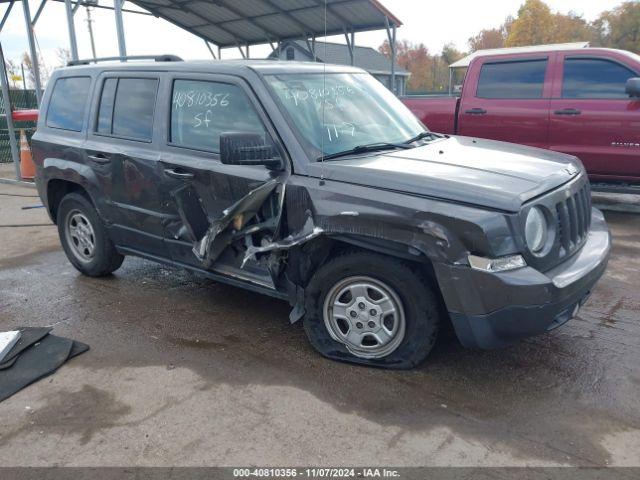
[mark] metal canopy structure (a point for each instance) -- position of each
(223, 24)
(231, 23)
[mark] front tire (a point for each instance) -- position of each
(371, 309)
(84, 237)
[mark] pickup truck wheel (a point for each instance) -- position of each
(371, 309)
(84, 238)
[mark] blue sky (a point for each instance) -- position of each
(424, 21)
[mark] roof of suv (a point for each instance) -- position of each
(215, 66)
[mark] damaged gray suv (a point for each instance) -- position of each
(314, 184)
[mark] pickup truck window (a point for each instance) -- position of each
(68, 103)
(201, 111)
(337, 112)
(594, 78)
(514, 79)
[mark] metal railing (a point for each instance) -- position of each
(20, 99)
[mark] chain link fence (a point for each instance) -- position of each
(20, 99)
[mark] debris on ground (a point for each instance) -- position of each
(35, 355)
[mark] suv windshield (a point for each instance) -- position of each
(339, 112)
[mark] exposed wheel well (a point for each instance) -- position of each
(56, 191)
(328, 248)
(317, 251)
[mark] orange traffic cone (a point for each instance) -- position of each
(27, 167)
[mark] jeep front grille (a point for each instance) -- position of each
(574, 220)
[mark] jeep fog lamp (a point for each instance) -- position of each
(501, 264)
(535, 230)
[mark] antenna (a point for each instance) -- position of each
(324, 91)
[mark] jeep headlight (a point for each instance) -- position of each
(535, 229)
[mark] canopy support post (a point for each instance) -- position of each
(32, 51)
(122, 46)
(6, 104)
(210, 50)
(73, 44)
(351, 42)
(391, 35)
(6, 15)
(38, 12)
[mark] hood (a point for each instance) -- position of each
(491, 174)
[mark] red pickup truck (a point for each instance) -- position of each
(585, 102)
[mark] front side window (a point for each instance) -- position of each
(594, 78)
(340, 111)
(516, 79)
(68, 103)
(201, 111)
(126, 108)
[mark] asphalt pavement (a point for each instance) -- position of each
(184, 371)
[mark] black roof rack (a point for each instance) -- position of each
(157, 58)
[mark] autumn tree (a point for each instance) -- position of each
(534, 25)
(488, 38)
(414, 58)
(64, 56)
(620, 27)
(571, 28)
(28, 65)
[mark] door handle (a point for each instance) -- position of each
(179, 174)
(568, 111)
(476, 111)
(100, 158)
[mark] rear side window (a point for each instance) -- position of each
(126, 108)
(523, 79)
(105, 112)
(201, 111)
(68, 103)
(594, 78)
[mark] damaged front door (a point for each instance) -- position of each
(223, 208)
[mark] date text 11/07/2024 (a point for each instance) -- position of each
(315, 473)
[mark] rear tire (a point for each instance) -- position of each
(84, 237)
(373, 310)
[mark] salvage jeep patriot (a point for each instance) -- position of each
(313, 183)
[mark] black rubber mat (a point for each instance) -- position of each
(28, 336)
(29, 362)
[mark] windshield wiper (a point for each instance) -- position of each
(372, 147)
(421, 136)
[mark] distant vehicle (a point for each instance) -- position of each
(580, 101)
(315, 184)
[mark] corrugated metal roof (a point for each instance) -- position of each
(229, 23)
(337, 53)
(466, 61)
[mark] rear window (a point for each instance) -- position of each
(126, 108)
(68, 103)
(594, 78)
(520, 79)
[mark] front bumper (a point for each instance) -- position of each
(490, 310)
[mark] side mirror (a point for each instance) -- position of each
(633, 87)
(242, 148)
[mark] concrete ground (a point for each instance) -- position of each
(184, 371)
